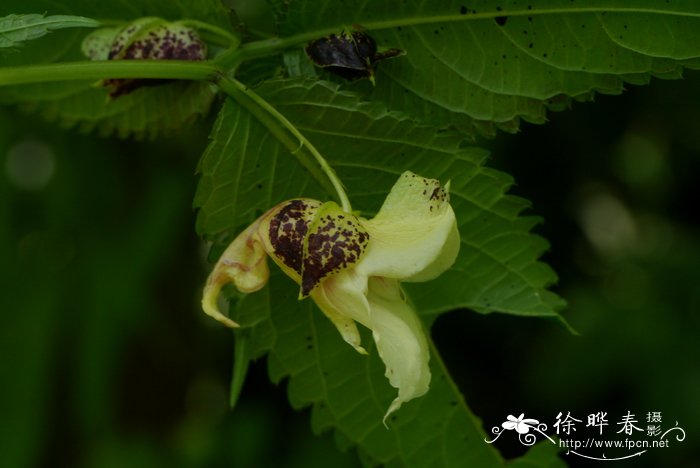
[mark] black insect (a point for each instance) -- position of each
(351, 56)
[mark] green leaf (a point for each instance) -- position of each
(210, 11)
(245, 171)
(541, 455)
(482, 63)
(16, 29)
(144, 113)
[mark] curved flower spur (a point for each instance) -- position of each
(352, 267)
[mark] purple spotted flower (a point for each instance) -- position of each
(351, 267)
(143, 39)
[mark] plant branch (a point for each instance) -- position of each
(97, 70)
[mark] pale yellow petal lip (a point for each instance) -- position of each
(401, 341)
(380, 305)
(342, 298)
(414, 237)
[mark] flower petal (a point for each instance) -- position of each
(243, 264)
(335, 241)
(284, 232)
(379, 305)
(342, 298)
(400, 340)
(414, 236)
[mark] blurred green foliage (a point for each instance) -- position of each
(107, 360)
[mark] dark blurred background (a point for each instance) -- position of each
(107, 360)
(616, 184)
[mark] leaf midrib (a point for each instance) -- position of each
(416, 21)
(48, 22)
(265, 47)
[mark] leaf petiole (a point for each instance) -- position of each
(254, 103)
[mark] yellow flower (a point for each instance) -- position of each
(352, 267)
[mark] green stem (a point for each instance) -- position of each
(262, 48)
(68, 71)
(263, 111)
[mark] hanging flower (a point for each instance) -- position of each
(352, 267)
